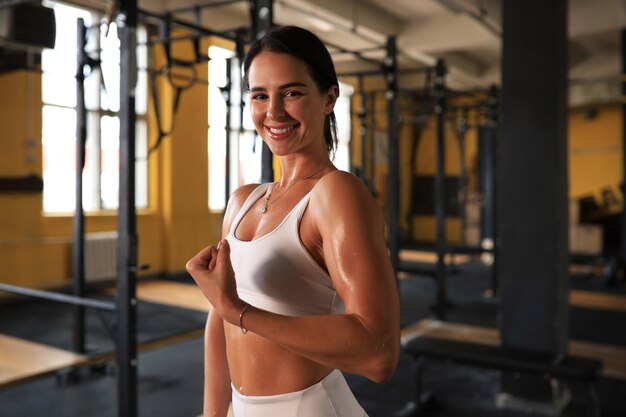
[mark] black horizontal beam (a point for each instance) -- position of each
(200, 29)
(204, 6)
(59, 297)
(30, 184)
(380, 73)
(10, 3)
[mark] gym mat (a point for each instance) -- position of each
(51, 323)
(169, 385)
(468, 305)
(614, 357)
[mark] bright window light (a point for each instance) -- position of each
(102, 98)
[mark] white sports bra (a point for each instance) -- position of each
(276, 272)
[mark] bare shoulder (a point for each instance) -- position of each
(342, 192)
(236, 200)
(239, 196)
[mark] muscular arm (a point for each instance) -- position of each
(364, 340)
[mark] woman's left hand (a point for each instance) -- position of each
(213, 272)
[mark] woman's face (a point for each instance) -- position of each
(287, 108)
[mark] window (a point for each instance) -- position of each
(344, 126)
(245, 146)
(101, 173)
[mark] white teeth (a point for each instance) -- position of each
(280, 131)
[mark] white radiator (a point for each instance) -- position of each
(100, 256)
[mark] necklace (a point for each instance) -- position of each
(268, 195)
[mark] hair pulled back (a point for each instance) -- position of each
(305, 46)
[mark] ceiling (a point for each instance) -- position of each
(464, 32)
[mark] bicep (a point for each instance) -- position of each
(357, 258)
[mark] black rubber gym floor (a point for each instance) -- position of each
(170, 377)
(50, 323)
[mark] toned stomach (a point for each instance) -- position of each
(259, 366)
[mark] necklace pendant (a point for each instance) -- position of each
(263, 209)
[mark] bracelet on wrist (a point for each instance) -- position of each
(243, 311)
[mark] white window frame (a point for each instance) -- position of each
(245, 145)
(100, 183)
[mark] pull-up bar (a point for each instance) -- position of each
(198, 7)
(357, 54)
(381, 73)
(199, 29)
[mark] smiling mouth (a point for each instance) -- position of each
(282, 131)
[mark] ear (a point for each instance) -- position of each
(330, 99)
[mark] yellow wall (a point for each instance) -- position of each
(182, 178)
(595, 152)
(35, 249)
(595, 160)
(425, 227)
(405, 141)
(21, 250)
(422, 227)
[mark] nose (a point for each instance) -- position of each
(276, 109)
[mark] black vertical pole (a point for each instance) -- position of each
(372, 142)
(197, 17)
(492, 123)
(393, 176)
(227, 94)
(238, 66)
(486, 179)
(78, 238)
(262, 19)
(440, 189)
(239, 50)
(349, 148)
(126, 224)
(462, 130)
(623, 185)
(533, 256)
(363, 132)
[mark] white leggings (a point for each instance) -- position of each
(331, 397)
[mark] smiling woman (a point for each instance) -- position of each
(312, 59)
(294, 110)
(301, 284)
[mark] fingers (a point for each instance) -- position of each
(214, 253)
(212, 271)
(209, 257)
(224, 250)
(203, 259)
(222, 254)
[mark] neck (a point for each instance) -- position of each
(294, 169)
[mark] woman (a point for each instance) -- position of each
(301, 285)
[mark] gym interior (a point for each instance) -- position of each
(491, 133)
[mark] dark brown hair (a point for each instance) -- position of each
(308, 48)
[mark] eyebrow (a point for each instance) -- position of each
(282, 87)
